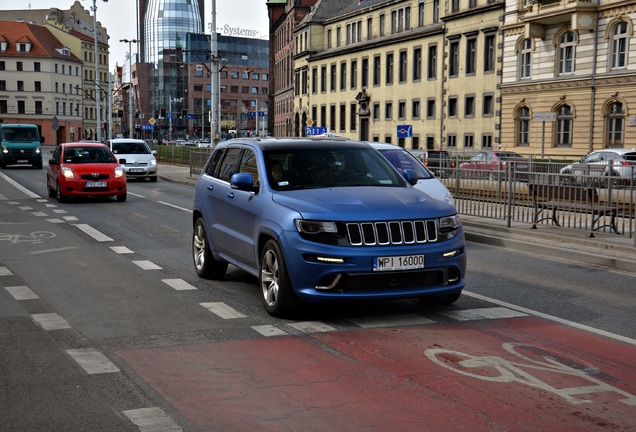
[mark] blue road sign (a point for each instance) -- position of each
(191, 116)
(405, 131)
(169, 115)
(309, 131)
(261, 113)
(147, 127)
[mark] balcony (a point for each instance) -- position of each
(538, 14)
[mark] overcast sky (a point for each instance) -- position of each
(119, 17)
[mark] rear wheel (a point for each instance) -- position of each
(204, 263)
(49, 189)
(276, 288)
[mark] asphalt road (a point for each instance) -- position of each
(104, 326)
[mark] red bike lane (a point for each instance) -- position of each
(521, 374)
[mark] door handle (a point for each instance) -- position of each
(230, 194)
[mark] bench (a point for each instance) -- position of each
(574, 198)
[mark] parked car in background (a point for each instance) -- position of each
(438, 161)
(426, 180)
(619, 164)
(85, 169)
(20, 144)
(135, 157)
(323, 220)
(496, 164)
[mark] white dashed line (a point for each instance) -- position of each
(93, 232)
(21, 293)
(175, 206)
(25, 208)
(147, 265)
(311, 327)
(55, 221)
(48, 205)
(39, 214)
(62, 249)
(51, 321)
(60, 211)
(121, 250)
(5, 272)
(222, 310)
(137, 195)
(269, 330)
(152, 420)
(390, 321)
(178, 284)
(483, 313)
(92, 361)
(70, 218)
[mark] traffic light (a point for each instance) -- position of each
(156, 114)
(163, 112)
(184, 113)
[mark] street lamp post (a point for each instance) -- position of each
(130, 89)
(98, 93)
(214, 81)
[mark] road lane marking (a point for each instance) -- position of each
(51, 321)
(39, 214)
(92, 361)
(22, 293)
(147, 265)
(152, 419)
(483, 313)
(70, 218)
(19, 187)
(178, 284)
(175, 206)
(552, 318)
(134, 194)
(55, 221)
(311, 327)
(25, 208)
(121, 250)
(93, 232)
(62, 249)
(60, 211)
(48, 205)
(222, 310)
(5, 272)
(390, 321)
(269, 330)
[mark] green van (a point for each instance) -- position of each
(20, 144)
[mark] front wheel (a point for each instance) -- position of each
(204, 263)
(152, 179)
(276, 289)
(121, 197)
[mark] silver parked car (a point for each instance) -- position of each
(135, 157)
(617, 163)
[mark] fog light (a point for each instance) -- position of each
(452, 253)
(330, 260)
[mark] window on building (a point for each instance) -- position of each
(38, 86)
(354, 74)
(343, 76)
(564, 126)
(376, 111)
(525, 59)
(21, 107)
(486, 141)
(453, 59)
(430, 108)
(400, 20)
(421, 8)
(469, 106)
(343, 117)
(332, 117)
(234, 75)
(234, 89)
(415, 108)
(454, 6)
(471, 56)
(382, 19)
(620, 45)
(451, 140)
(452, 107)
(469, 141)
(19, 66)
(2, 65)
(364, 77)
(489, 53)
(338, 36)
(402, 67)
(20, 86)
(334, 79)
(615, 126)
(328, 38)
(432, 62)
(488, 107)
(567, 53)
(417, 64)
(401, 110)
(352, 117)
(377, 62)
(314, 80)
(523, 127)
(245, 89)
(388, 111)
(369, 28)
(37, 67)
(38, 107)
(323, 79)
(389, 68)
(435, 11)
(323, 116)
(3, 106)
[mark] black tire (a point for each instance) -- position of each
(153, 179)
(58, 193)
(121, 197)
(49, 190)
(38, 165)
(277, 293)
(204, 263)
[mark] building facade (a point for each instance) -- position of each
(569, 76)
(40, 82)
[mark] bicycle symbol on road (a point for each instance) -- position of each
(504, 371)
(34, 237)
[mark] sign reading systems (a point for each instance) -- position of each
(309, 131)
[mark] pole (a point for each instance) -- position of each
(110, 106)
(98, 95)
(214, 80)
(131, 100)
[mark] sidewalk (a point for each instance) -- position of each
(613, 251)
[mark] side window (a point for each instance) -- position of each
(229, 164)
(56, 154)
(249, 165)
(213, 165)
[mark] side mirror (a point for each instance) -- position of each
(54, 162)
(122, 161)
(410, 176)
(154, 152)
(243, 181)
(41, 140)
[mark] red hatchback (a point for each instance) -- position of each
(83, 169)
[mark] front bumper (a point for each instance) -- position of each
(135, 171)
(77, 187)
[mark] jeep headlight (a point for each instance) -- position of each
(449, 224)
(316, 227)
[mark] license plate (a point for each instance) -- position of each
(404, 262)
(23, 161)
(135, 170)
(95, 184)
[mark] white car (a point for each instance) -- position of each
(426, 180)
(135, 157)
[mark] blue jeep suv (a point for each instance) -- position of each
(323, 220)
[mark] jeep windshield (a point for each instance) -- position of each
(329, 166)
